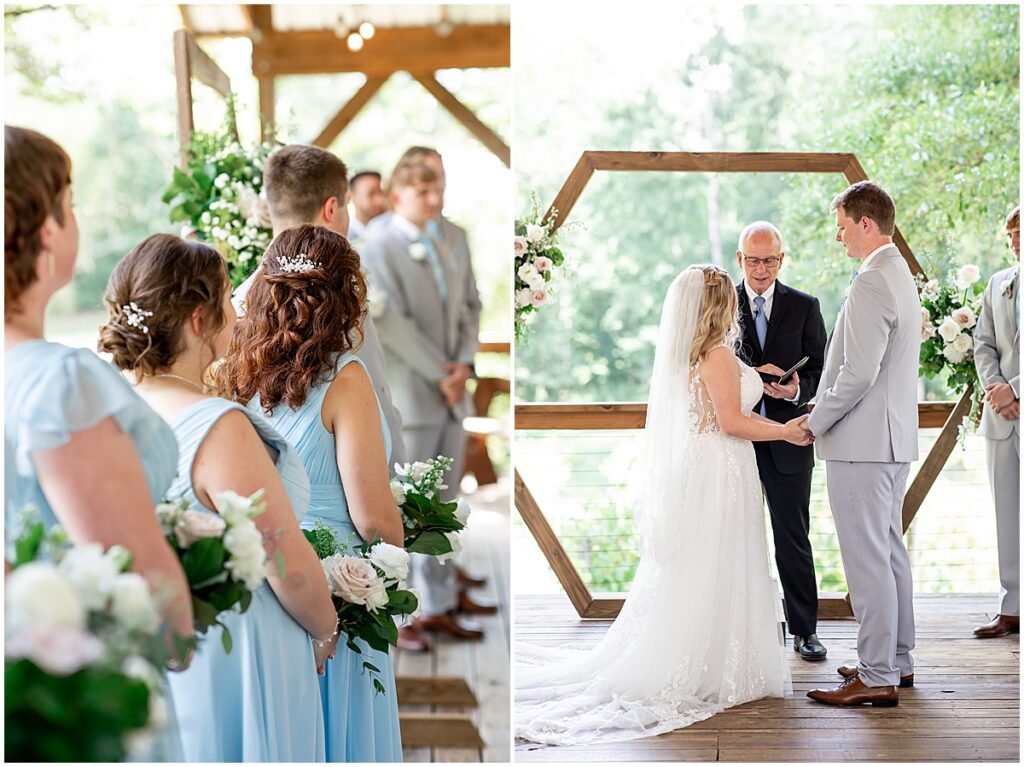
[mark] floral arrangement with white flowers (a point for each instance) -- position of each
(536, 257)
(367, 583)
(222, 555)
(220, 196)
(82, 651)
(432, 526)
(949, 314)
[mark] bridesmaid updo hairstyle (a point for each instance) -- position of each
(717, 323)
(36, 173)
(304, 307)
(152, 293)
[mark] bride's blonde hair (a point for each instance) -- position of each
(717, 323)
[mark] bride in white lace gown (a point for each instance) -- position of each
(699, 629)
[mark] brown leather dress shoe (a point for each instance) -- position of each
(409, 639)
(853, 692)
(1000, 626)
(447, 624)
(847, 671)
(467, 605)
(465, 579)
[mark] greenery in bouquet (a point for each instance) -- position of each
(220, 195)
(83, 651)
(536, 257)
(949, 314)
(432, 526)
(222, 555)
(367, 583)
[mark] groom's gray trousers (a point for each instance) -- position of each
(1004, 477)
(867, 506)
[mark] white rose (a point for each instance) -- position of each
(963, 343)
(524, 297)
(60, 652)
(965, 317)
(543, 264)
(537, 282)
(534, 233)
(949, 329)
(132, 604)
(967, 275)
(235, 508)
(419, 470)
(417, 250)
(194, 525)
(247, 557)
(526, 272)
(398, 492)
(462, 511)
(927, 331)
(520, 246)
(456, 541)
(39, 598)
(391, 560)
(930, 290)
(951, 354)
(540, 297)
(354, 580)
(91, 574)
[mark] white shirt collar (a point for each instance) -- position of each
(768, 295)
(406, 227)
(874, 253)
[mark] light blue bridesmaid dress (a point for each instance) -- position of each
(362, 726)
(51, 391)
(260, 702)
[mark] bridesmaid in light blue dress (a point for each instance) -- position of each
(260, 702)
(80, 445)
(319, 396)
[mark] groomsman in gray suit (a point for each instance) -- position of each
(429, 328)
(309, 185)
(997, 357)
(865, 425)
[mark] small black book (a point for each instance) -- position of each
(769, 378)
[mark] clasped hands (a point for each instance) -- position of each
(1003, 401)
(453, 385)
(797, 432)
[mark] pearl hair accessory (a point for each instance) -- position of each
(136, 315)
(296, 264)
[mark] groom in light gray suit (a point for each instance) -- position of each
(997, 357)
(865, 425)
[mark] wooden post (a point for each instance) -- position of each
(481, 131)
(183, 79)
(351, 108)
(267, 120)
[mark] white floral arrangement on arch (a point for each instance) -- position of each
(949, 314)
(537, 256)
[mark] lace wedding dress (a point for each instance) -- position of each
(699, 629)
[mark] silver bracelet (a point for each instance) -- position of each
(321, 644)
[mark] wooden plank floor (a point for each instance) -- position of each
(965, 705)
(484, 664)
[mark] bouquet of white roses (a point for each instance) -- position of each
(536, 257)
(432, 526)
(222, 554)
(83, 653)
(367, 585)
(949, 314)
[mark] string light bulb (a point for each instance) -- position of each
(355, 42)
(366, 30)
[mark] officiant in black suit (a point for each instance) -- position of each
(781, 326)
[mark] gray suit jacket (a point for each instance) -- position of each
(996, 354)
(866, 407)
(418, 330)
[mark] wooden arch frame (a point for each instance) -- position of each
(633, 415)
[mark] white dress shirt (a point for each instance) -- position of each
(769, 299)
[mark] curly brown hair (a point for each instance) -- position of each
(169, 277)
(36, 173)
(296, 322)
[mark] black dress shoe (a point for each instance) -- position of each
(809, 647)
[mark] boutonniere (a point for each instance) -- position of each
(417, 250)
(1009, 287)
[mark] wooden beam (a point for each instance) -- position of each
(391, 49)
(570, 191)
(205, 70)
(186, 22)
(480, 130)
(425, 730)
(267, 114)
(607, 607)
(633, 415)
(494, 347)
(721, 162)
(936, 459)
(259, 21)
(434, 691)
(551, 547)
(348, 112)
(183, 80)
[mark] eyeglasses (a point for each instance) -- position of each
(771, 262)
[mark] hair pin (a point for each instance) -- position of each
(136, 316)
(299, 263)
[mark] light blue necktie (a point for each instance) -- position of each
(435, 264)
(761, 326)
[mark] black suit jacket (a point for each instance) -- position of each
(796, 330)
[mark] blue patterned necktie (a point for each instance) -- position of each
(761, 326)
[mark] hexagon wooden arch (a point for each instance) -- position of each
(629, 415)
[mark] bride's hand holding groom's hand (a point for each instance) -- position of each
(796, 432)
